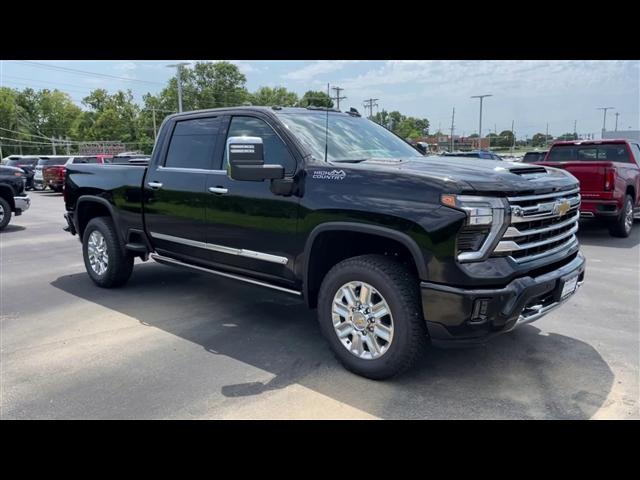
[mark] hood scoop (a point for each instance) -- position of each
(529, 172)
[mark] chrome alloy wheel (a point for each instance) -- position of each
(628, 216)
(1, 213)
(97, 251)
(362, 320)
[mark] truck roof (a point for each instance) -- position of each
(271, 109)
(604, 141)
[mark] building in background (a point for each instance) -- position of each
(627, 134)
(460, 143)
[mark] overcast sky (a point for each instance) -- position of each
(531, 93)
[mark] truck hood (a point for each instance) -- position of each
(475, 174)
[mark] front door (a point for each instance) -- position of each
(249, 227)
(175, 189)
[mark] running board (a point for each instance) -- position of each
(172, 261)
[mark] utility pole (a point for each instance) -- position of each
(604, 119)
(178, 67)
(53, 145)
(575, 129)
(337, 98)
(67, 145)
(513, 135)
(155, 133)
(453, 116)
(370, 104)
(481, 97)
(546, 137)
(617, 115)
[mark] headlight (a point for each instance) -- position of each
(485, 220)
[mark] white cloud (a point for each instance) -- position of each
(319, 67)
(125, 66)
(505, 77)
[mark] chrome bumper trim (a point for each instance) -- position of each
(22, 203)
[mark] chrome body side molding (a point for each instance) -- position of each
(267, 257)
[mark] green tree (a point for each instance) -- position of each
(316, 99)
(112, 117)
(206, 85)
(540, 139)
(568, 136)
(267, 96)
(506, 138)
(32, 114)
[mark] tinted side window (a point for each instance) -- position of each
(275, 150)
(192, 143)
(636, 151)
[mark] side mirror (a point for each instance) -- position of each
(421, 148)
(246, 160)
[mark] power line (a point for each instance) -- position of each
(82, 72)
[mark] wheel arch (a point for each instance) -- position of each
(314, 269)
(91, 206)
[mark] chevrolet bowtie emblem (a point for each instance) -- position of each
(561, 207)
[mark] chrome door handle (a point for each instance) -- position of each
(218, 190)
(155, 185)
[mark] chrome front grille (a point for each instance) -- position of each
(540, 225)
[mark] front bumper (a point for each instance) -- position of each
(456, 315)
(22, 203)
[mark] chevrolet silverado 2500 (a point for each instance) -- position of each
(396, 250)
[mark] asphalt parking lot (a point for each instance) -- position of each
(176, 344)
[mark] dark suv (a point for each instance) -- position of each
(27, 163)
(477, 154)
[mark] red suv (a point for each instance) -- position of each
(609, 174)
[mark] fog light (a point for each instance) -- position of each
(479, 312)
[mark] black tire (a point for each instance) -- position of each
(620, 227)
(401, 290)
(5, 209)
(57, 189)
(119, 265)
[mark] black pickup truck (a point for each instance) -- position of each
(13, 198)
(396, 250)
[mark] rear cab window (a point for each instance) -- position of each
(44, 162)
(589, 153)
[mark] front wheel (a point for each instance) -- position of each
(106, 263)
(624, 223)
(5, 213)
(370, 312)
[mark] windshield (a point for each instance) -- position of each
(349, 138)
(531, 157)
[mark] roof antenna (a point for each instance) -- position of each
(326, 128)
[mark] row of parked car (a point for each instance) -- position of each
(48, 171)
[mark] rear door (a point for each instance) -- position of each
(175, 190)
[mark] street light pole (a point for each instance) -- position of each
(178, 67)
(481, 97)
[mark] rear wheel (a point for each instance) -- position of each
(624, 223)
(106, 263)
(370, 312)
(5, 213)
